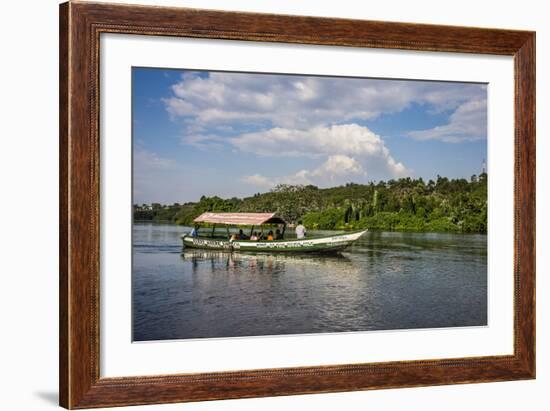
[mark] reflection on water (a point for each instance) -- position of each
(384, 281)
(265, 262)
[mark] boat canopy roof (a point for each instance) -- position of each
(239, 218)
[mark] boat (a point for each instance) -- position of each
(215, 241)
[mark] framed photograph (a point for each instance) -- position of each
(258, 205)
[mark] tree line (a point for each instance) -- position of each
(406, 204)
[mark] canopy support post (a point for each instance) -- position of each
(227, 228)
(283, 233)
(213, 230)
(251, 231)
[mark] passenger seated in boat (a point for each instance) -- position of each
(254, 236)
(194, 232)
(242, 235)
(233, 237)
(278, 235)
(270, 236)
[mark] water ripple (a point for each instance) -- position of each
(385, 281)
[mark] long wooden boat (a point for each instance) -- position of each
(330, 243)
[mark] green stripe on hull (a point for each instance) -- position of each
(317, 245)
(314, 248)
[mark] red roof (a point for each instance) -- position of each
(239, 218)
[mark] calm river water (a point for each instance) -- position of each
(384, 281)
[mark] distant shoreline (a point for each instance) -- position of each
(167, 222)
(408, 205)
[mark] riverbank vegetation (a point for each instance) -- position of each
(444, 205)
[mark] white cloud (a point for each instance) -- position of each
(337, 169)
(145, 161)
(467, 123)
(258, 180)
(350, 152)
(303, 101)
(338, 165)
(349, 139)
(152, 175)
(316, 118)
(204, 142)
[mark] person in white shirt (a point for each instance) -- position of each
(300, 230)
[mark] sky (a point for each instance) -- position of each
(234, 134)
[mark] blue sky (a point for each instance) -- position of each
(235, 134)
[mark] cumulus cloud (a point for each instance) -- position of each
(337, 169)
(303, 101)
(350, 139)
(338, 165)
(351, 152)
(317, 118)
(467, 123)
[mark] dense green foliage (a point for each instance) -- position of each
(406, 204)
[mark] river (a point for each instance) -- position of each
(385, 281)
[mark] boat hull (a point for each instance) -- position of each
(327, 244)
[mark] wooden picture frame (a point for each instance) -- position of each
(80, 27)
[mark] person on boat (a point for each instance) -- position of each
(270, 236)
(254, 236)
(278, 235)
(242, 236)
(300, 230)
(233, 237)
(194, 232)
